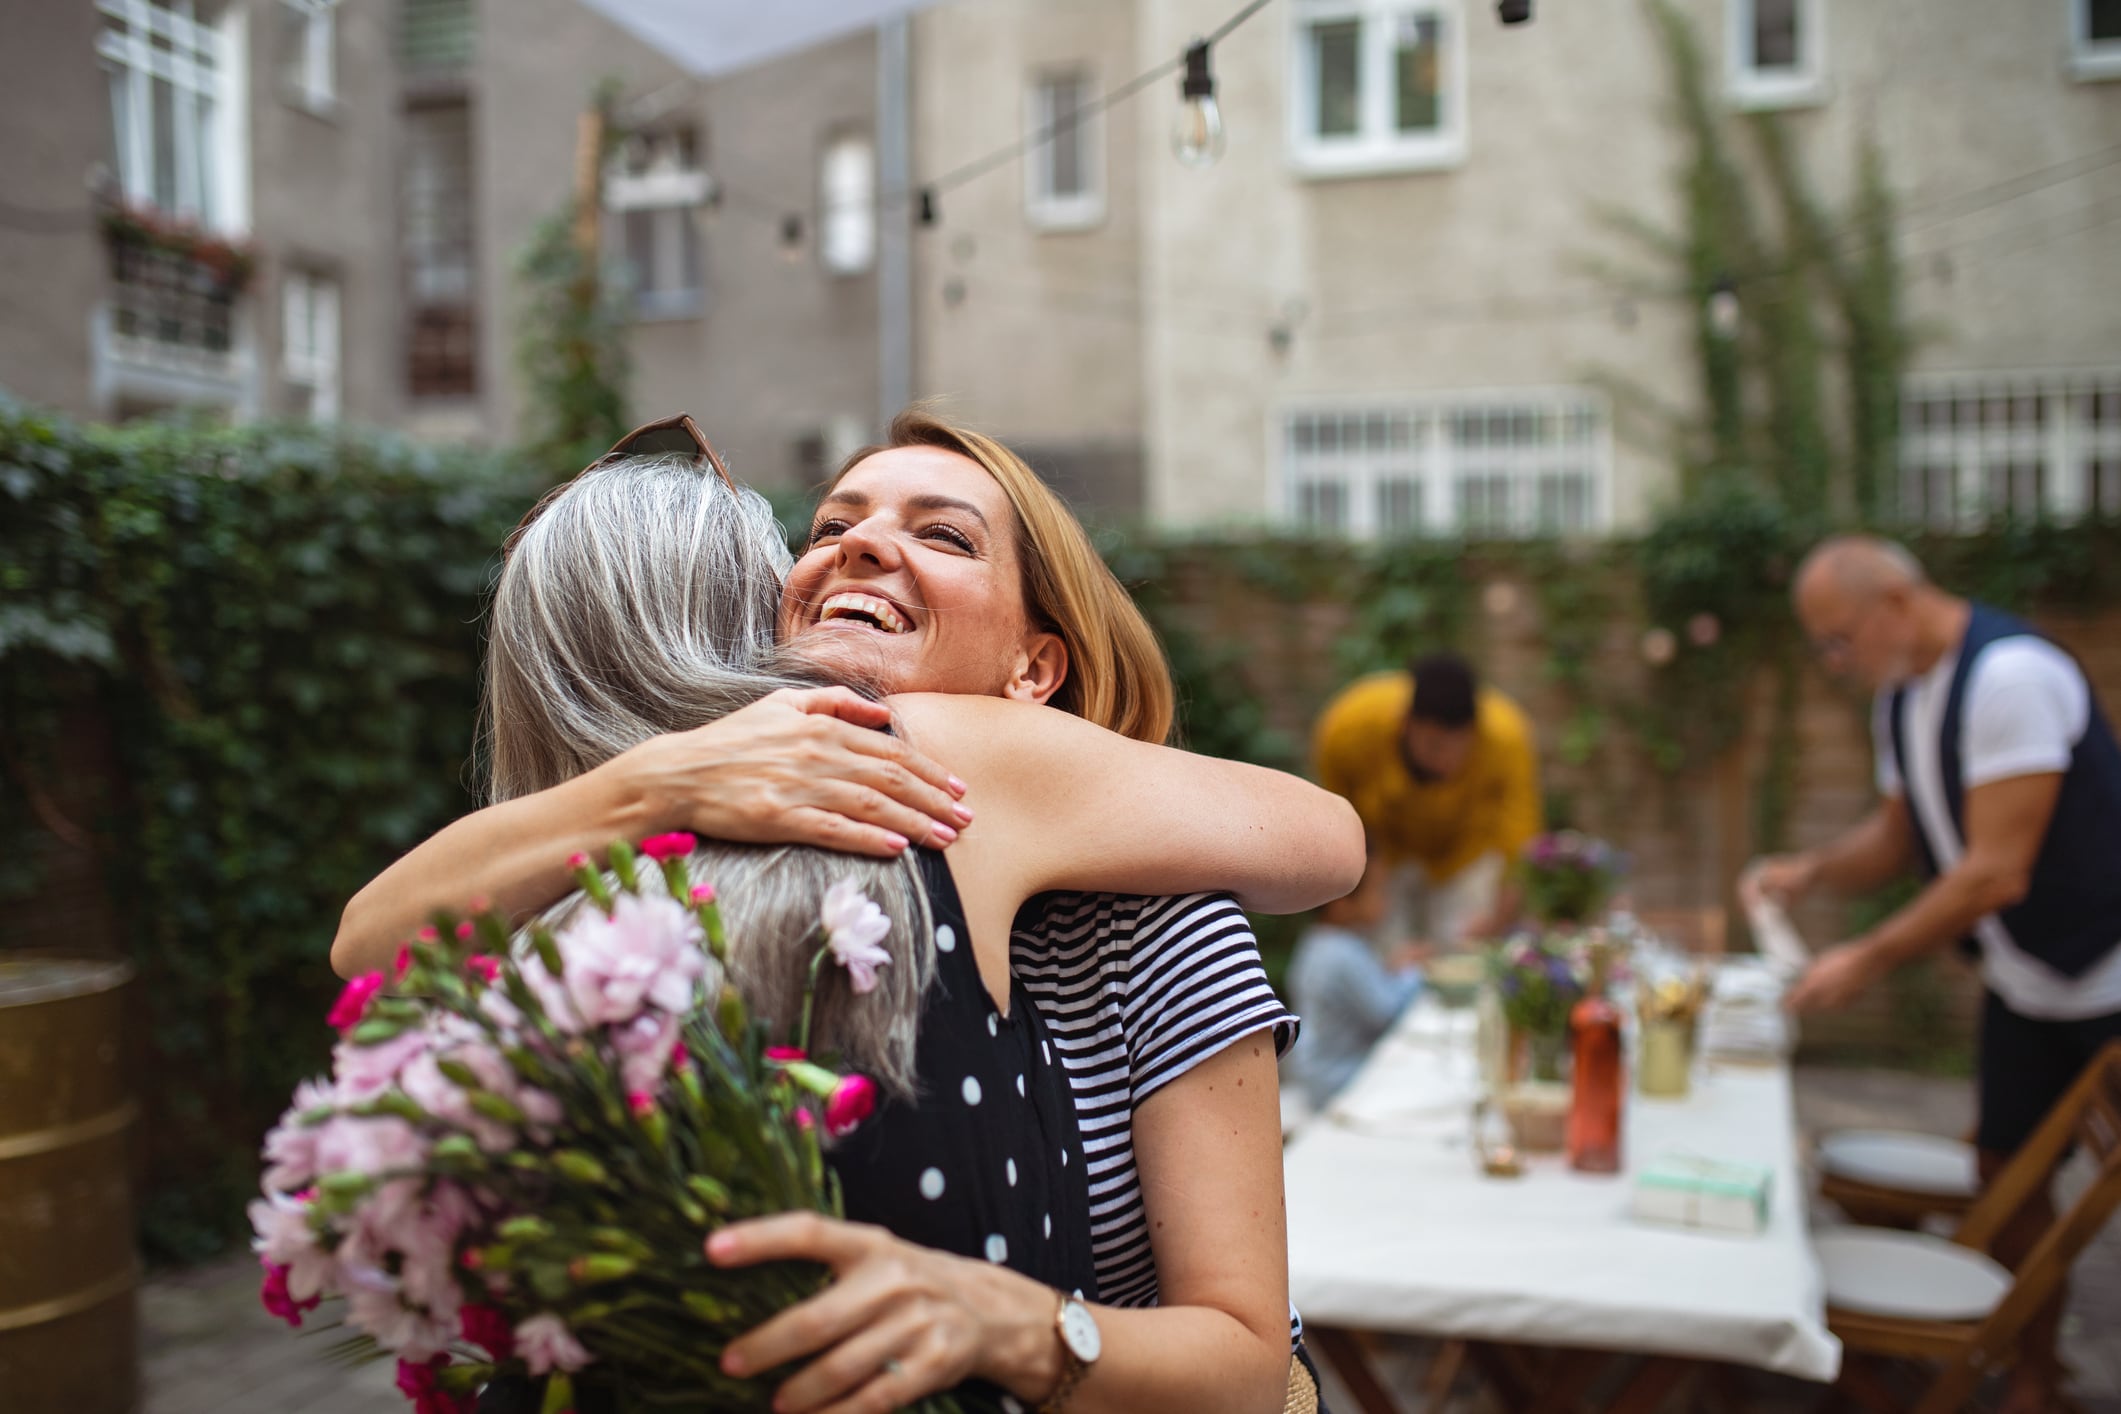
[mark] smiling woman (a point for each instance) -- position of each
(941, 570)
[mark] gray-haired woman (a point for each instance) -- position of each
(925, 550)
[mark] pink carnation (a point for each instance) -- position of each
(402, 964)
(374, 1146)
(854, 929)
(647, 953)
(364, 1072)
(643, 1045)
(786, 1053)
(353, 1001)
(675, 845)
(852, 1101)
(703, 893)
(546, 1345)
(578, 860)
(483, 966)
(464, 931)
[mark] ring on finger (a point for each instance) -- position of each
(894, 1366)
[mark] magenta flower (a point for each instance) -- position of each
(276, 1298)
(545, 1344)
(578, 860)
(854, 928)
(703, 893)
(675, 845)
(483, 967)
(852, 1101)
(353, 1001)
(417, 1382)
(402, 964)
(487, 1328)
(786, 1053)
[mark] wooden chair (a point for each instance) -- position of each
(1898, 1190)
(1969, 1345)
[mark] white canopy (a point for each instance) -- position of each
(709, 37)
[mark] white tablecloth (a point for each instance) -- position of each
(1393, 1228)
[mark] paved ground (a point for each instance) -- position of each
(208, 1349)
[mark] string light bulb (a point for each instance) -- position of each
(1197, 137)
(1723, 308)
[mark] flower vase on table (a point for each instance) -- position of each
(1537, 980)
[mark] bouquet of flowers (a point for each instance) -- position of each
(1539, 980)
(518, 1156)
(1568, 876)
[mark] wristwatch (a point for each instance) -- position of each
(1079, 1343)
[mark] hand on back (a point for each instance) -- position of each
(800, 766)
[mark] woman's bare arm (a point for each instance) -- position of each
(901, 1321)
(1121, 816)
(799, 766)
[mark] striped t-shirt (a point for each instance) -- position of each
(1135, 992)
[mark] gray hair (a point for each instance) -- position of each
(1863, 566)
(642, 600)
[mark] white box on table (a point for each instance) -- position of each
(1706, 1193)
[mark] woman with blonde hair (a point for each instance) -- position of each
(928, 568)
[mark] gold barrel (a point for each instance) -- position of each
(68, 1274)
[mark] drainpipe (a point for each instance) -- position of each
(894, 245)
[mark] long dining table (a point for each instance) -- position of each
(1544, 1282)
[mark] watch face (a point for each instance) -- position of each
(1079, 1329)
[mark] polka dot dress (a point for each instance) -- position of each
(977, 1163)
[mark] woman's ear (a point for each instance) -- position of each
(1041, 667)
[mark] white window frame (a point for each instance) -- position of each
(2067, 448)
(846, 219)
(1431, 459)
(2090, 59)
(202, 60)
(673, 191)
(310, 79)
(1755, 89)
(309, 338)
(1377, 146)
(1042, 208)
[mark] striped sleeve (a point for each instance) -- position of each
(1195, 984)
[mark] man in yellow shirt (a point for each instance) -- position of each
(1445, 776)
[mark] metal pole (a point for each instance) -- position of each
(894, 246)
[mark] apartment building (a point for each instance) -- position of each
(1382, 312)
(314, 208)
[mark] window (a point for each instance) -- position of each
(1776, 52)
(1977, 448)
(847, 205)
(1500, 465)
(654, 195)
(309, 339)
(1064, 187)
(308, 72)
(1377, 86)
(176, 143)
(435, 236)
(2095, 38)
(436, 34)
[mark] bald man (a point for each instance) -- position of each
(2000, 780)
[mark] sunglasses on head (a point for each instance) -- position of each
(678, 434)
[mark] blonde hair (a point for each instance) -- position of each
(1117, 675)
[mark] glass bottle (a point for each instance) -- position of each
(1600, 1079)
